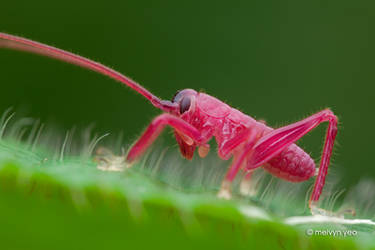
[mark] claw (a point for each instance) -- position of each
(107, 161)
(225, 192)
(320, 211)
(347, 211)
(110, 168)
(247, 188)
(315, 210)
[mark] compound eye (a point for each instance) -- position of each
(176, 96)
(185, 104)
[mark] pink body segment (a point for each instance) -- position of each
(197, 117)
(232, 129)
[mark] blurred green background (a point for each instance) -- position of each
(275, 60)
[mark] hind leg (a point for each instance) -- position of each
(275, 142)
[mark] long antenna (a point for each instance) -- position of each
(23, 44)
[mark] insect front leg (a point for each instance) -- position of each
(275, 142)
(189, 132)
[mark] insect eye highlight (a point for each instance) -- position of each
(185, 104)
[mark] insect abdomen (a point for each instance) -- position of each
(292, 164)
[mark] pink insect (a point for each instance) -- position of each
(197, 117)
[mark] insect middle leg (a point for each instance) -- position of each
(239, 159)
(155, 128)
